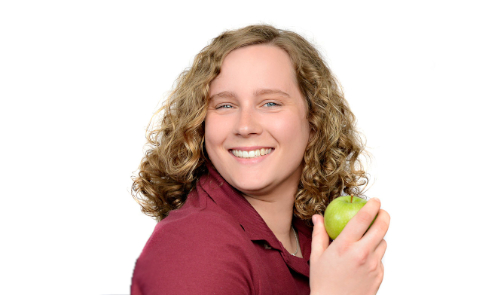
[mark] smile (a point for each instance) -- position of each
(251, 154)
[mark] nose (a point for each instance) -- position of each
(248, 122)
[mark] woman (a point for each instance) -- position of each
(252, 145)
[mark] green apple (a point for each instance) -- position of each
(340, 211)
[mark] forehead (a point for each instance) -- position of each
(256, 66)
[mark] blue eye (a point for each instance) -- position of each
(271, 104)
(224, 106)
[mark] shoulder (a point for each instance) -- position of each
(199, 220)
(195, 250)
(210, 227)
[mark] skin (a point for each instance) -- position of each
(244, 114)
(255, 102)
(352, 263)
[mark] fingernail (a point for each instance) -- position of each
(314, 219)
(376, 199)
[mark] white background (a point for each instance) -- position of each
(81, 79)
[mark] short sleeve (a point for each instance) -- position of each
(199, 254)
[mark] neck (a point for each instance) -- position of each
(275, 205)
(277, 212)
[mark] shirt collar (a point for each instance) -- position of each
(231, 201)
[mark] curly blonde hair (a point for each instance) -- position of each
(176, 156)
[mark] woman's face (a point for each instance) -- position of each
(256, 130)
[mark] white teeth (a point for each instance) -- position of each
(251, 154)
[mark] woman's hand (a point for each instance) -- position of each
(352, 263)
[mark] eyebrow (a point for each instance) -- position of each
(258, 92)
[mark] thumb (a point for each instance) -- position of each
(320, 239)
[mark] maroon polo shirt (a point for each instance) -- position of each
(216, 243)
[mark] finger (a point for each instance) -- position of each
(378, 230)
(320, 239)
(358, 225)
(382, 270)
(380, 250)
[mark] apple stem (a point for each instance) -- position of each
(351, 198)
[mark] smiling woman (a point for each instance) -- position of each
(255, 139)
(265, 110)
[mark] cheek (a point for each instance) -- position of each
(214, 132)
(209, 134)
(293, 130)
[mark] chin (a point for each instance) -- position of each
(248, 186)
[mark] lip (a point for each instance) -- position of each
(250, 160)
(250, 148)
